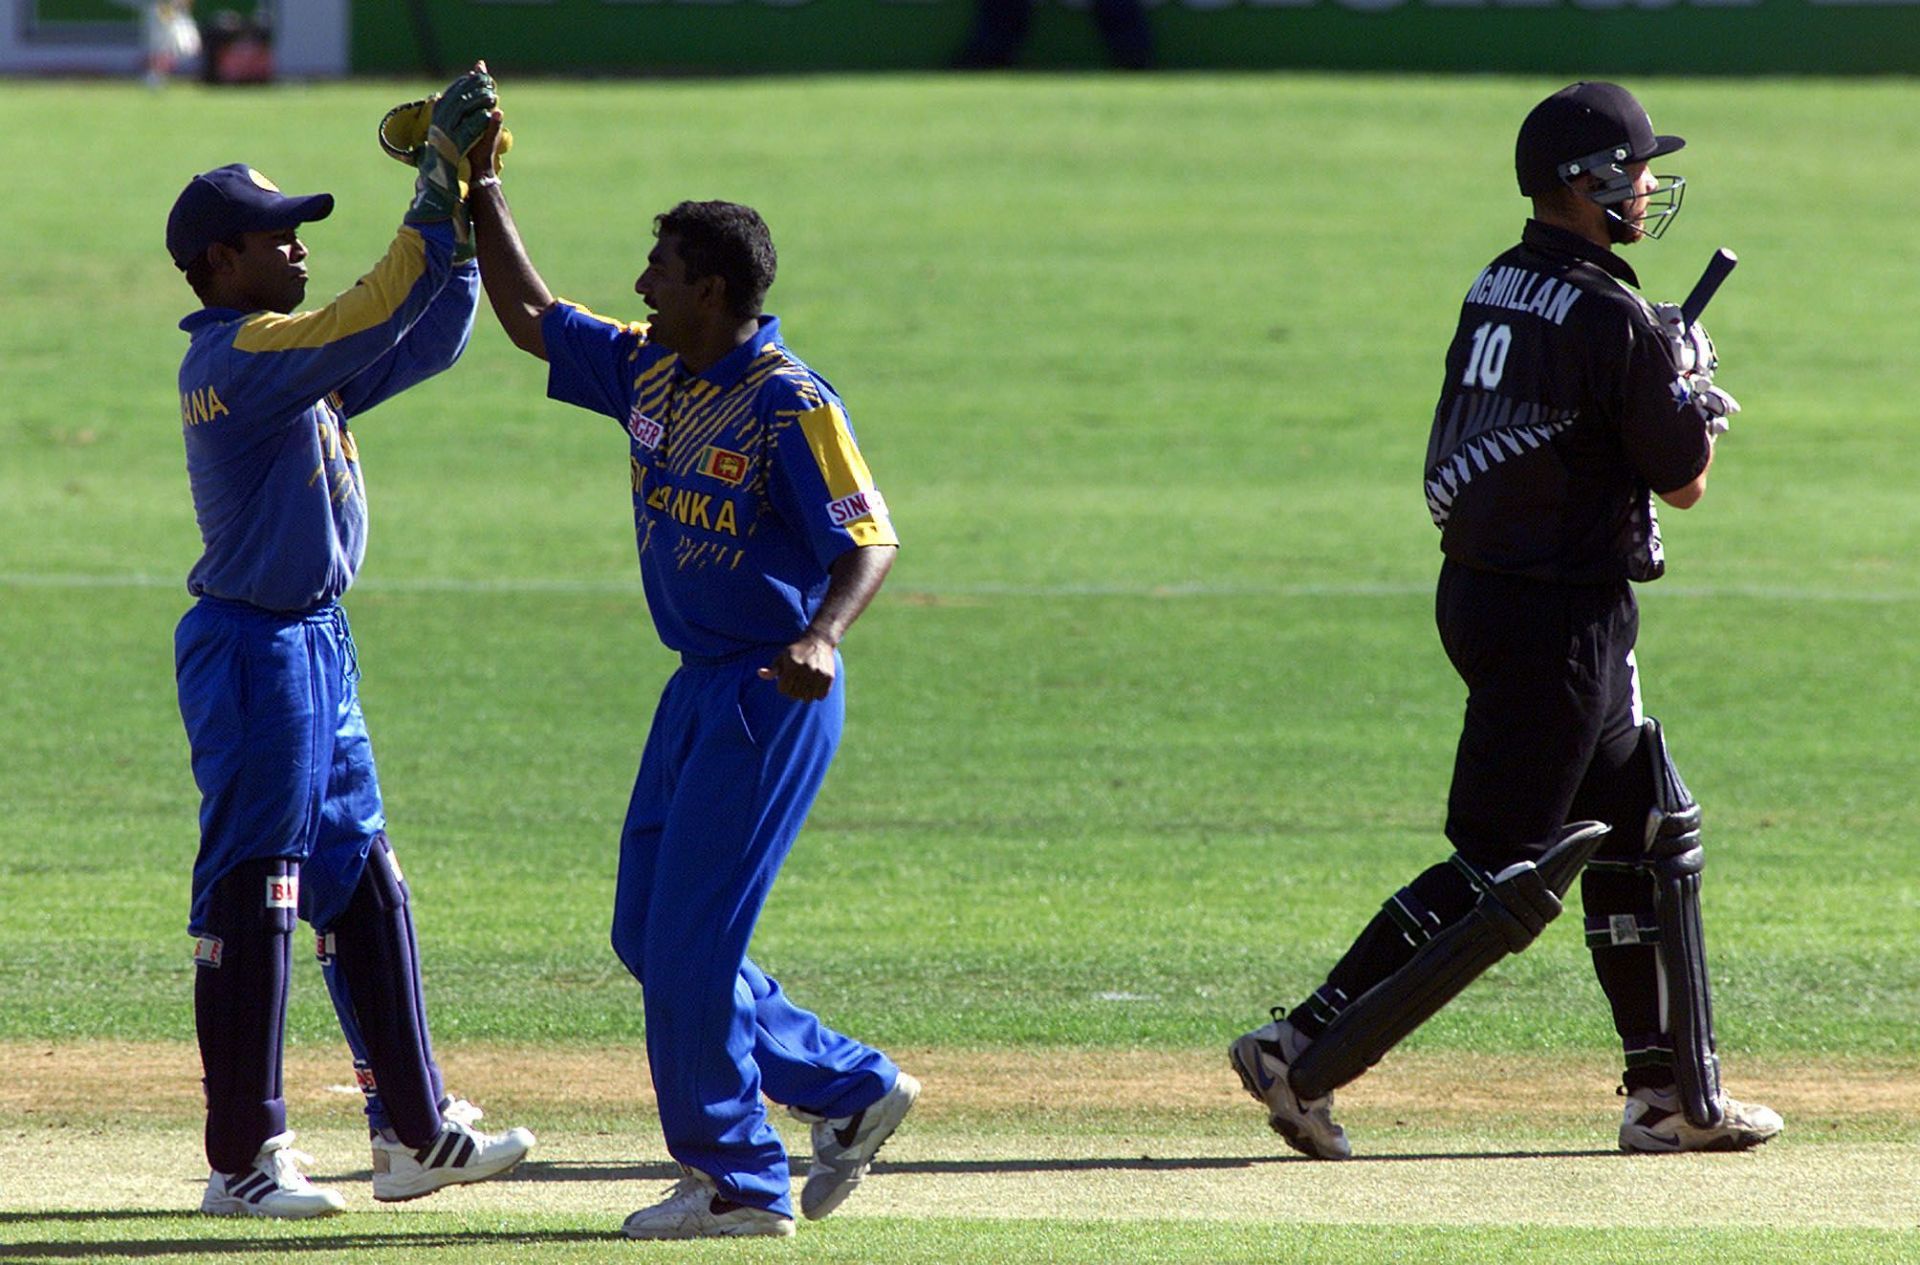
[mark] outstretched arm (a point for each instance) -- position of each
(303, 357)
(518, 295)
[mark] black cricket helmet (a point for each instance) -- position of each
(1597, 129)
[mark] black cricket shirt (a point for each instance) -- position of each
(1561, 412)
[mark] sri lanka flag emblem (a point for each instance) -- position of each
(728, 467)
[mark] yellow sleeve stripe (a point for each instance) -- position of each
(637, 328)
(874, 529)
(846, 473)
(371, 302)
(840, 462)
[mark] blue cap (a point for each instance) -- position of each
(223, 203)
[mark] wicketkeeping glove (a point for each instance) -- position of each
(403, 133)
(456, 121)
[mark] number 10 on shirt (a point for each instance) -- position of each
(1489, 359)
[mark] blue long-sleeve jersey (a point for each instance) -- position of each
(264, 404)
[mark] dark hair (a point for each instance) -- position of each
(725, 240)
(1563, 198)
(200, 271)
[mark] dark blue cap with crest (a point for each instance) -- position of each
(221, 204)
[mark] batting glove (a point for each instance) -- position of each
(1714, 406)
(1692, 349)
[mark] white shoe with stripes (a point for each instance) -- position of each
(457, 1155)
(273, 1186)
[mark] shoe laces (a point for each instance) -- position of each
(691, 1182)
(286, 1164)
(453, 1107)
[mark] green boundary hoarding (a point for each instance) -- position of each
(1529, 36)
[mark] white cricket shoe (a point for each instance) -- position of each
(454, 1107)
(1263, 1058)
(273, 1186)
(843, 1148)
(1654, 1122)
(458, 1154)
(694, 1209)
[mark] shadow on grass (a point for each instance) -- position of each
(667, 1171)
(134, 1249)
(1157, 1163)
(546, 1171)
(1585, 1153)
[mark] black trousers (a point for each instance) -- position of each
(1551, 735)
(1552, 726)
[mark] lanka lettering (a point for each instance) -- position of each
(693, 509)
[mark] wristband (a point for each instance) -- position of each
(486, 181)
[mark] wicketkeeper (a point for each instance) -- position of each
(291, 822)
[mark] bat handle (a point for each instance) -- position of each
(1718, 267)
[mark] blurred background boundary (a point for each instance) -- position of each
(332, 38)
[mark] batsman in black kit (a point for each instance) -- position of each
(1569, 404)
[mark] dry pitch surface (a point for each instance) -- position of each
(1114, 1135)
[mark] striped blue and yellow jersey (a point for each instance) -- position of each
(747, 482)
(264, 404)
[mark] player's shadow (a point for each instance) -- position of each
(657, 1170)
(1168, 1163)
(562, 1171)
(331, 1246)
(652, 1170)
(81, 1214)
(1582, 1153)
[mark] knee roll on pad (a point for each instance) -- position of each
(381, 883)
(1514, 906)
(1675, 859)
(1673, 823)
(243, 955)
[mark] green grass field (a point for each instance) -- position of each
(1150, 717)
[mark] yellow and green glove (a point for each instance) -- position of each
(455, 120)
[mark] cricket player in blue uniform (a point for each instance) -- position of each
(291, 822)
(761, 538)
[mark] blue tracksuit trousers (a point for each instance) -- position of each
(730, 768)
(285, 769)
(280, 750)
